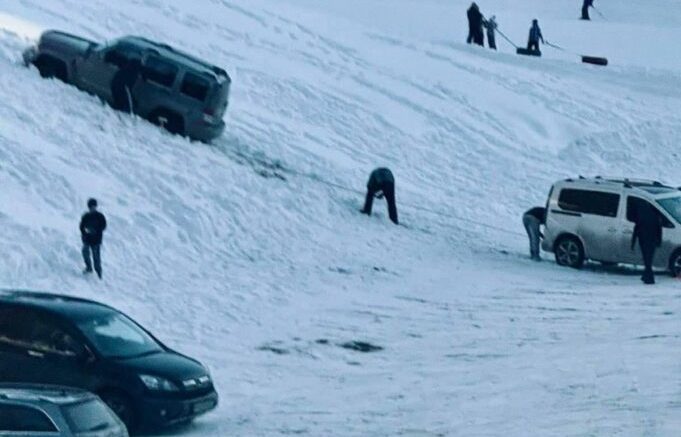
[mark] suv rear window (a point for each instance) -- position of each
(589, 202)
(195, 86)
(159, 71)
(17, 418)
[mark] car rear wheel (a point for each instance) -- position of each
(675, 264)
(569, 252)
(51, 68)
(121, 405)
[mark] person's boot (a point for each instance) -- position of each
(648, 278)
(99, 274)
(87, 270)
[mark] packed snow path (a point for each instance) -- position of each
(248, 255)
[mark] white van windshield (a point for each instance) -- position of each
(672, 206)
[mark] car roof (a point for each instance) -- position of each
(72, 308)
(176, 55)
(35, 393)
(644, 187)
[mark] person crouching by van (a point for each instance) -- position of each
(532, 220)
(648, 232)
(381, 184)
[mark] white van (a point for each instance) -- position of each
(590, 219)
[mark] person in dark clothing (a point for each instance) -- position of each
(535, 36)
(648, 232)
(122, 84)
(585, 9)
(381, 183)
(491, 26)
(475, 19)
(92, 226)
(532, 220)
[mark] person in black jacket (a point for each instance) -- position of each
(475, 18)
(532, 220)
(122, 84)
(648, 232)
(535, 36)
(92, 226)
(585, 9)
(381, 183)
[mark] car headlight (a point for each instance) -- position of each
(155, 383)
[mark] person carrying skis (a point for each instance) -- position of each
(532, 220)
(491, 26)
(122, 84)
(92, 226)
(585, 9)
(475, 18)
(648, 232)
(535, 36)
(381, 183)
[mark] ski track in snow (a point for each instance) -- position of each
(243, 255)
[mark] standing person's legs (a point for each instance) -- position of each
(470, 37)
(479, 38)
(86, 258)
(97, 258)
(491, 41)
(585, 13)
(532, 228)
(389, 192)
(369, 202)
(648, 252)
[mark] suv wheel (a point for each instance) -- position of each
(675, 264)
(121, 405)
(169, 120)
(569, 252)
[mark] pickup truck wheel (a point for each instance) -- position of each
(51, 68)
(569, 252)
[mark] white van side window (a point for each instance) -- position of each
(589, 202)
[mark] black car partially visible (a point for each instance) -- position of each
(53, 339)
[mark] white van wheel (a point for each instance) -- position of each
(675, 264)
(569, 252)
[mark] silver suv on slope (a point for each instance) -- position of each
(178, 91)
(50, 411)
(591, 219)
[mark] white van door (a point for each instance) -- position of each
(593, 215)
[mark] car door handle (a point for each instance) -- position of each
(612, 230)
(628, 232)
(35, 354)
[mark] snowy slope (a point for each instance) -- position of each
(253, 246)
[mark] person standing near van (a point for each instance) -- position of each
(533, 219)
(648, 232)
(122, 84)
(535, 36)
(381, 184)
(92, 226)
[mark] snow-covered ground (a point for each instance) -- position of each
(250, 254)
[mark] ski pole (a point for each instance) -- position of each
(506, 38)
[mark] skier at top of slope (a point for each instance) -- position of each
(475, 18)
(585, 9)
(535, 36)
